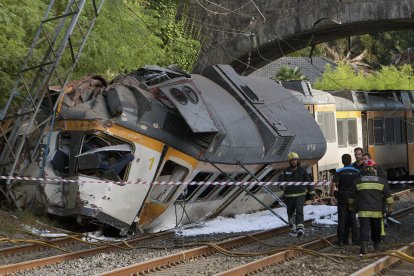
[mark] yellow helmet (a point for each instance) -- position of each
(293, 155)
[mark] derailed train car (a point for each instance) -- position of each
(159, 124)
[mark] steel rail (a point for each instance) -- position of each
(279, 257)
(34, 247)
(88, 252)
(182, 256)
(282, 256)
(73, 255)
(383, 263)
(402, 193)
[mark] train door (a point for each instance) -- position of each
(410, 139)
(175, 167)
(364, 131)
(315, 170)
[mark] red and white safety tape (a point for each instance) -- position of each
(122, 183)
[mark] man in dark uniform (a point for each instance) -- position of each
(295, 194)
(368, 198)
(359, 163)
(344, 182)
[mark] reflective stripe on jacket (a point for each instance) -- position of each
(370, 194)
(298, 175)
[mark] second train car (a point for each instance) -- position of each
(380, 122)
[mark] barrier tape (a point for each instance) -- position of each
(122, 183)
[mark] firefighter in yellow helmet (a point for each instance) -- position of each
(367, 199)
(295, 194)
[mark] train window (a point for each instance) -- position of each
(255, 189)
(105, 157)
(389, 131)
(332, 132)
(352, 132)
(326, 121)
(379, 131)
(327, 126)
(191, 95)
(269, 175)
(399, 131)
(207, 191)
(60, 159)
(190, 190)
(179, 96)
(370, 132)
(340, 125)
(224, 191)
(170, 172)
(410, 135)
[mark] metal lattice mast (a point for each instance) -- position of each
(51, 59)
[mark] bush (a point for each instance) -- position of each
(345, 77)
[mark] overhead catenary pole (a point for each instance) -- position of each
(272, 194)
(63, 35)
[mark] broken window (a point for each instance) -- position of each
(190, 190)
(60, 159)
(104, 157)
(171, 172)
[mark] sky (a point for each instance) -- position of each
(320, 214)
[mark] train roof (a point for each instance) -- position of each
(218, 116)
(382, 100)
(306, 94)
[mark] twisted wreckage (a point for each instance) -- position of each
(161, 124)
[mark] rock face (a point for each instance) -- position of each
(250, 34)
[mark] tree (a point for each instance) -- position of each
(127, 35)
(287, 73)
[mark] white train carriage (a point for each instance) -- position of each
(322, 107)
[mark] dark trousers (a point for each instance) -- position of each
(370, 225)
(295, 205)
(347, 223)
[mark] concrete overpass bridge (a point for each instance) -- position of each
(251, 33)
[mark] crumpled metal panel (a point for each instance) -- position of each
(196, 114)
(122, 147)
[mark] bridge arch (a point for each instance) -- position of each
(278, 27)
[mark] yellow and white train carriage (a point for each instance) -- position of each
(322, 106)
(383, 127)
(349, 127)
(160, 124)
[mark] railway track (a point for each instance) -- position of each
(197, 259)
(99, 248)
(389, 265)
(207, 250)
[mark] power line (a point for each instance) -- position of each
(223, 13)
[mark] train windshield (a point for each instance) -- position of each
(100, 156)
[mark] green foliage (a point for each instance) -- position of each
(345, 77)
(287, 73)
(141, 33)
(18, 23)
(127, 35)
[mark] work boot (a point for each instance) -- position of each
(364, 248)
(293, 233)
(300, 232)
(377, 246)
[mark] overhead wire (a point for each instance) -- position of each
(222, 13)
